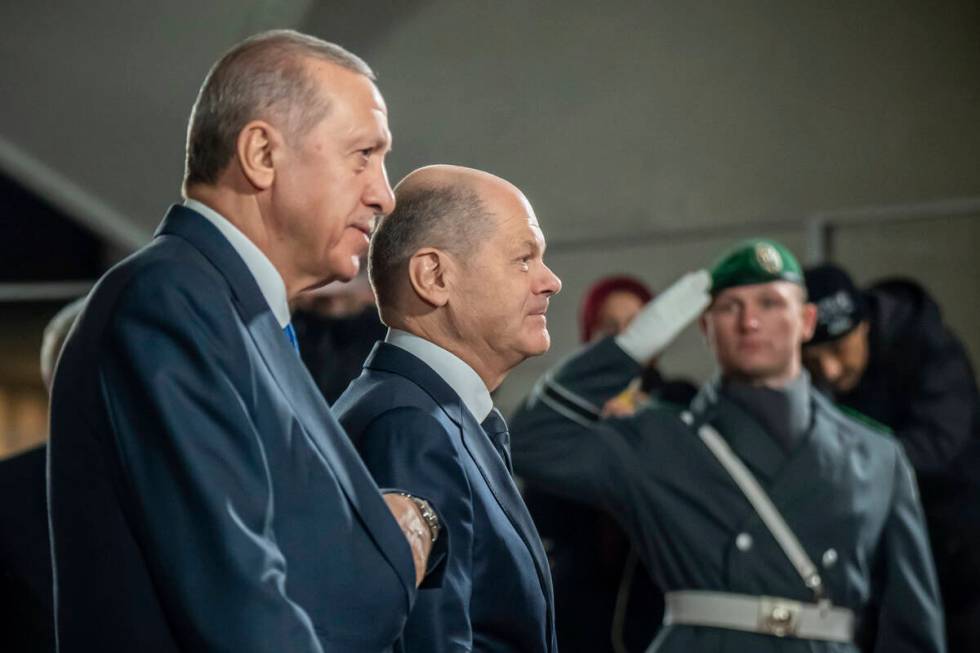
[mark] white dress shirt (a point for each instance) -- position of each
(451, 368)
(266, 275)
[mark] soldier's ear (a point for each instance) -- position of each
(428, 274)
(256, 150)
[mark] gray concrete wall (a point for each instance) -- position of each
(625, 122)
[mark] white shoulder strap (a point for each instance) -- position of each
(763, 505)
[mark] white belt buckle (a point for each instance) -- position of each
(778, 617)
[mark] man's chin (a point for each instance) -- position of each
(344, 270)
(843, 386)
(539, 345)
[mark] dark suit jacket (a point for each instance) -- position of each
(202, 496)
(414, 432)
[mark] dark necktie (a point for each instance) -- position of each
(291, 336)
(496, 429)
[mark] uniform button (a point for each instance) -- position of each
(829, 558)
(743, 542)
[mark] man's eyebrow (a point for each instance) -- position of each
(370, 140)
(532, 245)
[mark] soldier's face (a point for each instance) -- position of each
(841, 363)
(756, 331)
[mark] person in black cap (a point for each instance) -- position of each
(886, 353)
(772, 521)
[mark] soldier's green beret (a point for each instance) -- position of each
(757, 260)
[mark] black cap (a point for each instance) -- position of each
(840, 305)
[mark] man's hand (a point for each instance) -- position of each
(659, 322)
(626, 403)
(416, 531)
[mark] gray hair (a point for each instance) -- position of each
(264, 76)
(451, 218)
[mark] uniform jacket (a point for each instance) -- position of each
(844, 490)
(414, 432)
(202, 496)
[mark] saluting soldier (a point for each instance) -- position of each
(772, 521)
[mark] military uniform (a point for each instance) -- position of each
(761, 542)
(847, 493)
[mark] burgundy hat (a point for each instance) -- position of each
(596, 296)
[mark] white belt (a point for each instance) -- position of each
(767, 615)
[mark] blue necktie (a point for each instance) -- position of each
(495, 427)
(291, 336)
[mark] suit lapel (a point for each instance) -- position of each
(309, 407)
(501, 484)
(389, 358)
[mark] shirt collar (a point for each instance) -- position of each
(266, 275)
(452, 369)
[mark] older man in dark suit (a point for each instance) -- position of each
(460, 281)
(202, 496)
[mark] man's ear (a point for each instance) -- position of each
(809, 320)
(255, 150)
(429, 272)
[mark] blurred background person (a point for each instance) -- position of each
(336, 326)
(25, 556)
(885, 353)
(604, 597)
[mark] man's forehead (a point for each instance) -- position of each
(520, 224)
(337, 82)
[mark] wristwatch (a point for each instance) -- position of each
(429, 515)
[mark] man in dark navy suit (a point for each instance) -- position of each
(460, 281)
(202, 496)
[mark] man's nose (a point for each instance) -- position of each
(748, 319)
(550, 283)
(378, 193)
(830, 368)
